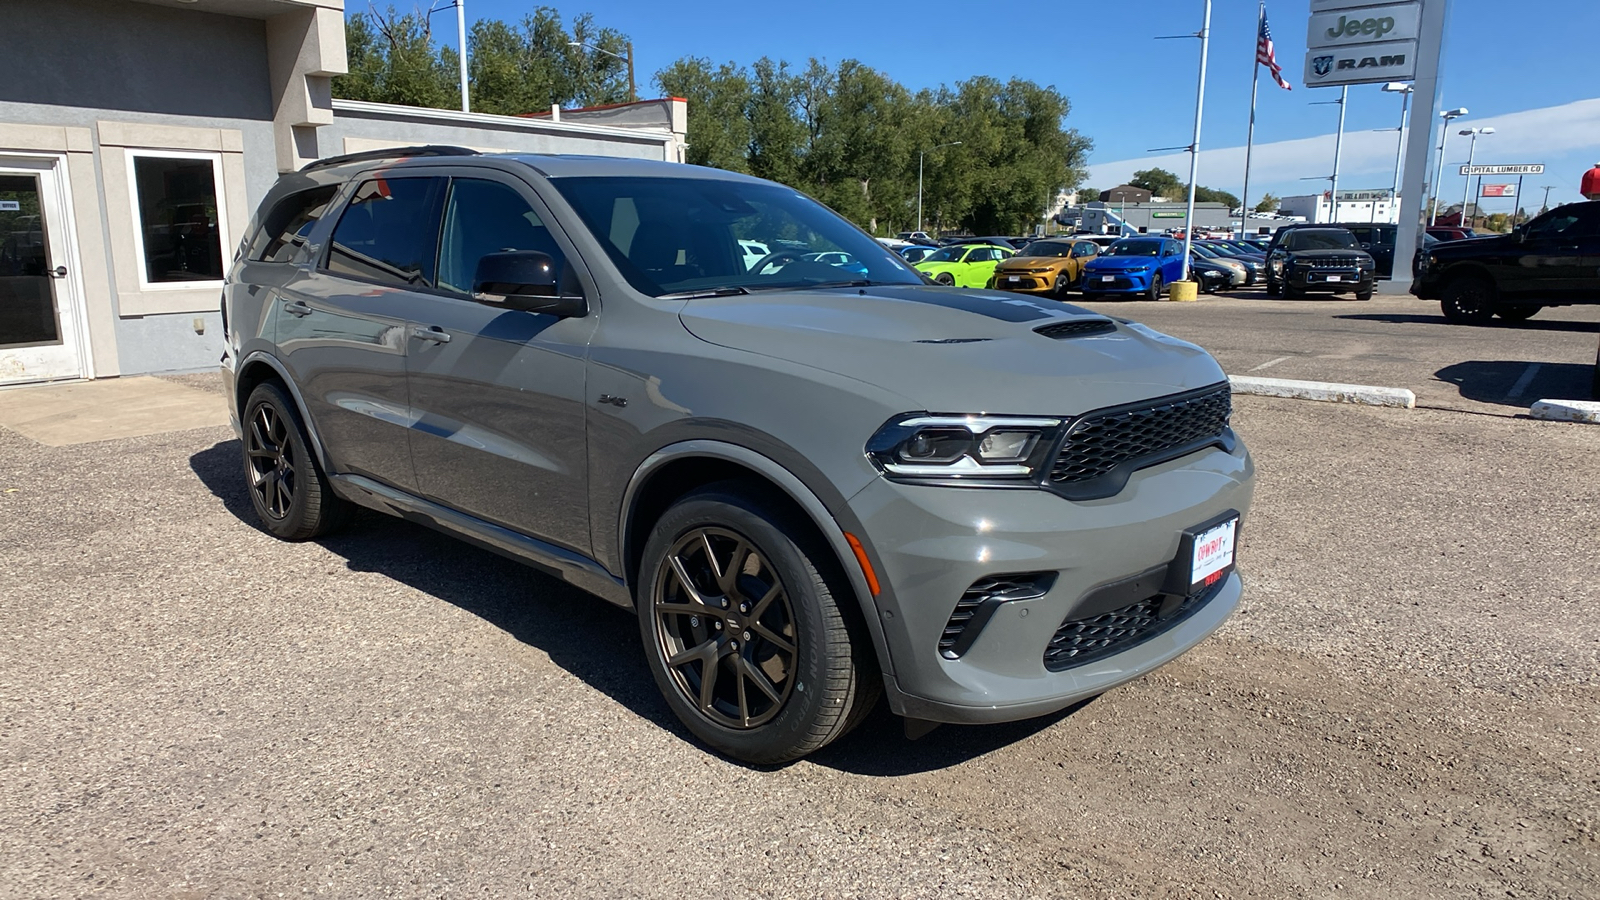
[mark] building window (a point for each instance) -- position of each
(179, 216)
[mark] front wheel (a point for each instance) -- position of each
(1154, 293)
(1364, 295)
(945, 278)
(1273, 288)
(1468, 301)
(1062, 286)
(743, 630)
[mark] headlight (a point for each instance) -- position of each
(1139, 270)
(977, 448)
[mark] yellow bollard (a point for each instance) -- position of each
(1183, 291)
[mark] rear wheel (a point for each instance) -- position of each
(288, 490)
(743, 631)
(1517, 313)
(1468, 300)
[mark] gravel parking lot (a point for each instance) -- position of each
(1405, 704)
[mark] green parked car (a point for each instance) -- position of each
(963, 265)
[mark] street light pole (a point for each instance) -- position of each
(461, 42)
(1404, 90)
(1438, 166)
(1194, 148)
(920, 155)
(1466, 181)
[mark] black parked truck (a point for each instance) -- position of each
(1552, 260)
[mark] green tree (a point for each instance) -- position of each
(1204, 194)
(1268, 203)
(777, 134)
(392, 60)
(719, 132)
(1159, 182)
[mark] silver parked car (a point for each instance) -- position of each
(815, 484)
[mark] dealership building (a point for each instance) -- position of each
(136, 137)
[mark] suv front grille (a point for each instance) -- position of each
(1337, 262)
(1126, 438)
(1080, 641)
(1076, 328)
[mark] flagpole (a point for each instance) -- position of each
(1250, 137)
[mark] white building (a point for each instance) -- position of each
(1354, 206)
(137, 137)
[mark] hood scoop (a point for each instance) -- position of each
(1076, 328)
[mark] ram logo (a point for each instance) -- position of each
(1321, 65)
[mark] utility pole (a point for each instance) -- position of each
(1194, 148)
(1438, 168)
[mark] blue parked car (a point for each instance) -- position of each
(1141, 266)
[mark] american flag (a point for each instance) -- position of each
(1264, 55)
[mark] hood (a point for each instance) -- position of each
(1021, 263)
(956, 351)
(1122, 263)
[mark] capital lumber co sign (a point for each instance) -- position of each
(1528, 169)
(1352, 43)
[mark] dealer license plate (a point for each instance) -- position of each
(1333, 278)
(1108, 278)
(1013, 278)
(1212, 556)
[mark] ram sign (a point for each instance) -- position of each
(1354, 43)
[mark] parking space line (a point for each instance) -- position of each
(1523, 381)
(1269, 363)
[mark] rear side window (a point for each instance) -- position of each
(287, 225)
(389, 232)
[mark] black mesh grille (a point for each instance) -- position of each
(1100, 442)
(1077, 328)
(1085, 640)
(969, 611)
(1331, 262)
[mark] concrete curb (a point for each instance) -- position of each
(1326, 391)
(1567, 411)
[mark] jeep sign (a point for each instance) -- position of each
(1333, 66)
(1350, 27)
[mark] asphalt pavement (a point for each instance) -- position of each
(1404, 705)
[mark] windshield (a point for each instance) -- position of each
(946, 254)
(1327, 239)
(1047, 248)
(686, 235)
(1134, 248)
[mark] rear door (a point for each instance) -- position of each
(343, 330)
(498, 393)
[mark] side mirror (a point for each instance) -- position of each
(527, 280)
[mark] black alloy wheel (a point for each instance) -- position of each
(725, 628)
(945, 278)
(291, 496)
(271, 458)
(1155, 287)
(1468, 300)
(750, 628)
(1273, 288)
(1062, 286)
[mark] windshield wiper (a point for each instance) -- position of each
(732, 291)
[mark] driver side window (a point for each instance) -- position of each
(483, 217)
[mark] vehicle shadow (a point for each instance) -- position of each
(1495, 381)
(583, 634)
(1534, 324)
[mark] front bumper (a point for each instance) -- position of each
(1026, 283)
(930, 544)
(1120, 283)
(1316, 280)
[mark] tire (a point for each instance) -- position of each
(1516, 312)
(287, 487)
(1364, 295)
(1273, 288)
(775, 705)
(946, 279)
(1154, 291)
(1468, 300)
(1290, 293)
(1062, 286)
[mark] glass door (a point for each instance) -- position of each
(39, 330)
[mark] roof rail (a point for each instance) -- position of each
(389, 153)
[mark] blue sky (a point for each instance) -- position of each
(1525, 68)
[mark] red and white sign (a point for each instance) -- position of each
(1213, 552)
(1499, 190)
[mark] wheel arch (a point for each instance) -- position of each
(676, 469)
(260, 367)
(1468, 269)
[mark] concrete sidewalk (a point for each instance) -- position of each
(82, 412)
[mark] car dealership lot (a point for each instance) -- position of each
(1405, 703)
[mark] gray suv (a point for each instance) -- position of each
(815, 477)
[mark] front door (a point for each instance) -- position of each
(40, 333)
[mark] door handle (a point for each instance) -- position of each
(297, 308)
(58, 272)
(431, 333)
